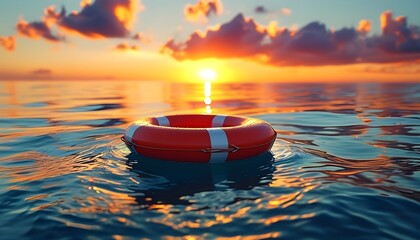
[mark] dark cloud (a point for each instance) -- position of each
(313, 44)
(260, 9)
(9, 43)
(126, 47)
(102, 18)
(263, 10)
(313, 38)
(202, 10)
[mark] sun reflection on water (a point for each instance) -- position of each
(207, 95)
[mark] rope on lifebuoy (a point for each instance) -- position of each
(233, 148)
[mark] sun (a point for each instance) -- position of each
(207, 74)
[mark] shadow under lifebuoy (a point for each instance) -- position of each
(166, 182)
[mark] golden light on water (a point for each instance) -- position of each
(207, 92)
(208, 75)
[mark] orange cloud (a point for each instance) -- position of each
(396, 68)
(41, 29)
(364, 26)
(9, 43)
(85, 3)
(397, 36)
(42, 72)
(202, 10)
(126, 47)
(239, 38)
(37, 29)
(311, 45)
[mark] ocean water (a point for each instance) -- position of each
(345, 164)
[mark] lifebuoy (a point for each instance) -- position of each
(199, 138)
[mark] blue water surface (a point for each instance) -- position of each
(345, 164)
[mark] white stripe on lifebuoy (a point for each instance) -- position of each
(218, 140)
(218, 121)
(129, 133)
(131, 130)
(163, 121)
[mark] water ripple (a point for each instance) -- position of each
(344, 165)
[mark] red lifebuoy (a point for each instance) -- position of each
(199, 138)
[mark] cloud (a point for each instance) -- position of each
(263, 10)
(37, 29)
(313, 44)
(9, 43)
(286, 11)
(100, 19)
(397, 36)
(364, 26)
(42, 72)
(238, 38)
(395, 68)
(142, 38)
(260, 9)
(202, 10)
(126, 47)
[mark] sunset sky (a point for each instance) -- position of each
(248, 41)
